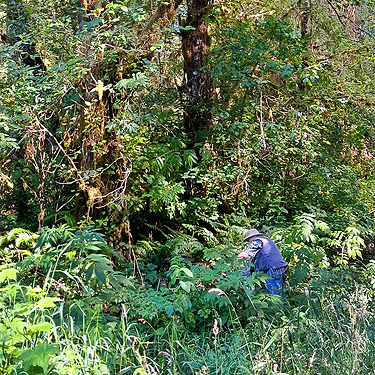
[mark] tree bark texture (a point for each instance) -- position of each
(165, 11)
(354, 25)
(305, 17)
(97, 183)
(195, 46)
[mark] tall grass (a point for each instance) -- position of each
(325, 327)
(318, 332)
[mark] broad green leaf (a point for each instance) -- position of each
(169, 310)
(89, 272)
(100, 274)
(275, 337)
(23, 309)
(10, 274)
(14, 325)
(38, 356)
(186, 285)
(47, 302)
(186, 28)
(40, 327)
(187, 272)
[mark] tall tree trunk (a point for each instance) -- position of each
(98, 148)
(354, 25)
(305, 17)
(97, 189)
(195, 46)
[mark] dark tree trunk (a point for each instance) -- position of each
(195, 46)
(305, 17)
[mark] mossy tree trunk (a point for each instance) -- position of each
(196, 43)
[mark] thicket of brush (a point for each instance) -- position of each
(70, 305)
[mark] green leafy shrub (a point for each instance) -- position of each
(26, 326)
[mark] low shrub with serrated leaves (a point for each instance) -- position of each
(73, 262)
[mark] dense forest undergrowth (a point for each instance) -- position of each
(71, 305)
(139, 140)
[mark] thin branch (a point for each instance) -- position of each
(261, 123)
(91, 175)
(58, 145)
(337, 13)
(161, 11)
(361, 29)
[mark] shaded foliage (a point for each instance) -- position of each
(138, 140)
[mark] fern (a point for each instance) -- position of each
(303, 229)
(349, 244)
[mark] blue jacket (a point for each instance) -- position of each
(266, 254)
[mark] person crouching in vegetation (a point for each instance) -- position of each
(265, 256)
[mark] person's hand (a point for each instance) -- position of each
(242, 255)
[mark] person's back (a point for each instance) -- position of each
(266, 257)
(269, 256)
